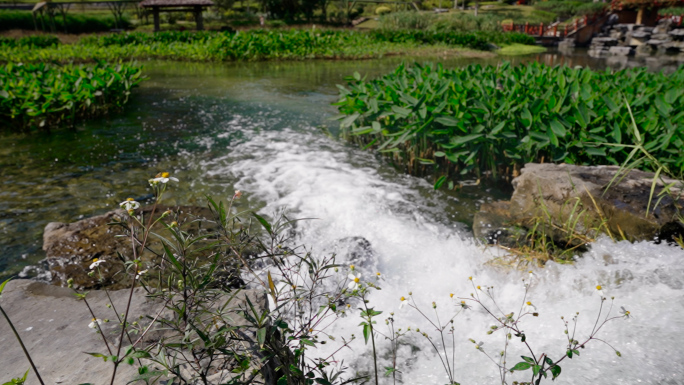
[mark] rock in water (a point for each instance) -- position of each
(562, 194)
(71, 248)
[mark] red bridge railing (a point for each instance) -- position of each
(554, 30)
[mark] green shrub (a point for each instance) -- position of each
(466, 22)
(591, 8)
(671, 11)
(568, 9)
(492, 119)
(47, 96)
(74, 23)
(407, 20)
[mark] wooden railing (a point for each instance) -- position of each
(554, 30)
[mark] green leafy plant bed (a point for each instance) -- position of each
(44, 96)
(492, 120)
(254, 45)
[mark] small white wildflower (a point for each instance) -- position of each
(529, 307)
(96, 263)
(95, 323)
(355, 279)
(624, 312)
(600, 290)
(140, 273)
(403, 302)
(129, 204)
(162, 178)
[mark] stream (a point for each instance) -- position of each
(261, 128)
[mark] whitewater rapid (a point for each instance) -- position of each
(420, 248)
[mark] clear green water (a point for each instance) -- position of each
(180, 120)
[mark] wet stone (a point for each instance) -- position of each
(579, 192)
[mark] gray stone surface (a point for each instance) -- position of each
(621, 51)
(644, 50)
(54, 327)
(604, 41)
(677, 34)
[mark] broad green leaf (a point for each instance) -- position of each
(521, 366)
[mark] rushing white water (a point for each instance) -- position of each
(421, 249)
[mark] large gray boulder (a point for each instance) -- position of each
(563, 193)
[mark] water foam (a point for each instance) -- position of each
(420, 249)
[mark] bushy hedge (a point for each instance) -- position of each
(74, 23)
(569, 9)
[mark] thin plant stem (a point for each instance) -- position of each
(16, 334)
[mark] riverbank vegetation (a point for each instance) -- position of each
(489, 121)
(45, 96)
(256, 45)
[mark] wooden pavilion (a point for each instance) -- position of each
(641, 11)
(194, 6)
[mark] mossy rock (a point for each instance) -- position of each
(72, 247)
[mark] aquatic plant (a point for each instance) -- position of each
(491, 120)
(34, 41)
(46, 96)
(256, 45)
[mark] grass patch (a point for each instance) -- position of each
(520, 49)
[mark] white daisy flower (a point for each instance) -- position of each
(600, 290)
(403, 302)
(355, 280)
(140, 273)
(162, 178)
(529, 307)
(96, 263)
(95, 323)
(129, 204)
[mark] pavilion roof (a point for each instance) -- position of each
(176, 3)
